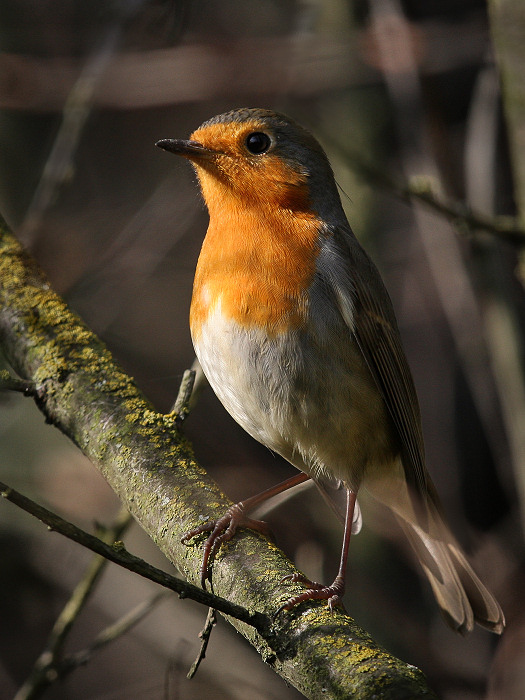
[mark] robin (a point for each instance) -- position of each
(297, 336)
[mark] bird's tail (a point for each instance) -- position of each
(460, 594)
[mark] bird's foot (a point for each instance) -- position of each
(316, 591)
(222, 530)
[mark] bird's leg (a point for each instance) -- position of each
(317, 591)
(224, 528)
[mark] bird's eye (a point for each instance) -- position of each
(258, 142)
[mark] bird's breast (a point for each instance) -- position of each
(313, 402)
(259, 267)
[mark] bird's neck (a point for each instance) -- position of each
(257, 262)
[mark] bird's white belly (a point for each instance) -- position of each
(294, 399)
(244, 370)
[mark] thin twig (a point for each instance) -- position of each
(204, 634)
(49, 666)
(61, 668)
(85, 587)
(199, 383)
(119, 555)
(10, 383)
(111, 633)
(181, 407)
(507, 228)
(76, 110)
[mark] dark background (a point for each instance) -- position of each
(409, 89)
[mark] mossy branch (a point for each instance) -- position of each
(151, 466)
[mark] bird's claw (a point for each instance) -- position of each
(222, 530)
(316, 591)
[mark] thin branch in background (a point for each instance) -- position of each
(204, 634)
(119, 555)
(86, 586)
(422, 189)
(443, 254)
(59, 669)
(506, 228)
(133, 256)
(50, 666)
(502, 321)
(75, 113)
(111, 633)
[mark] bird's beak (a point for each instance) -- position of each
(187, 149)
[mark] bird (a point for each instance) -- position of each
(296, 334)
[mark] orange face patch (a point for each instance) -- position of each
(259, 255)
(267, 178)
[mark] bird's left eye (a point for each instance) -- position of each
(258, 142)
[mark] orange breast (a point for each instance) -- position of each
(259, 264)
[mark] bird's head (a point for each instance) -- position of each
(260, 158)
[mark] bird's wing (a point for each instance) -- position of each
(367, 310)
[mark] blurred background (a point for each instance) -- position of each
(402, 93)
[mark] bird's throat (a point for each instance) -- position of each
(258, 265)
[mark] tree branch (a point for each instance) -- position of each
(151, 466)
(420, 189)
(116, 553)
